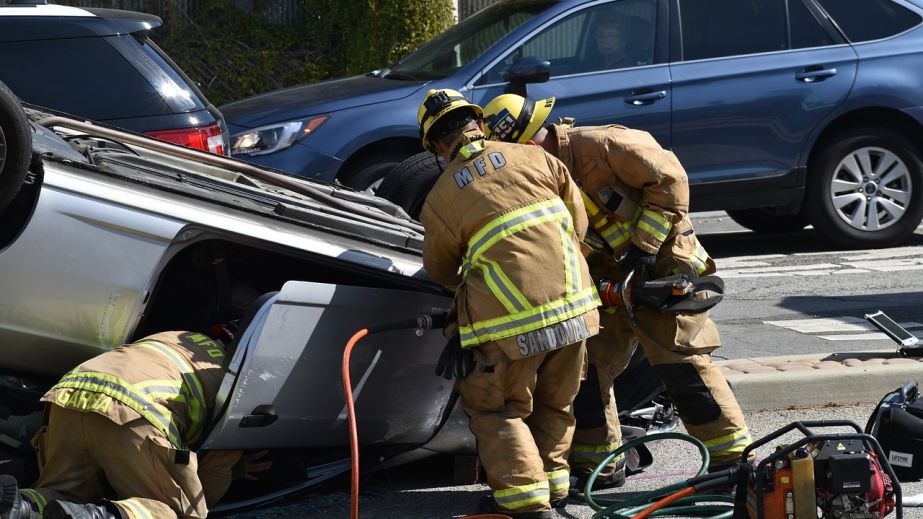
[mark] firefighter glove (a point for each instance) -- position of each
(637, 260)
(455, 361)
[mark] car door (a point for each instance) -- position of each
(285, 384)
(751, 80)
(633, 91)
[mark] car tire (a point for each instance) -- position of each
(410, 181)
(765, 220)
(872, 167)
(15, 146)
(372, 169)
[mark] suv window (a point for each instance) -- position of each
(128, 93)
(604, 37)
(805, 29)
(863, 20)
(715, 28)
(465, 42)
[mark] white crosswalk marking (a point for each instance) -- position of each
(840, 263)
(845, 327)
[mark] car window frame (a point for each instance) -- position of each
(821, 12)
(660, 44)
(826, 23)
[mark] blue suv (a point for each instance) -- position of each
(784, 112)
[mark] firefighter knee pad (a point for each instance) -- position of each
(694, 401)
(589, 410)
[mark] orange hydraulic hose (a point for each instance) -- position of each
(688, 491)
(351, 415)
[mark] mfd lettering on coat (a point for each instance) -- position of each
(464, 176)
(554, 336)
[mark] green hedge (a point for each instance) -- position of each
(234, 54)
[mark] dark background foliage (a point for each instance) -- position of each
(237, 48)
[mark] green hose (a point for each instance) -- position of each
(719, 506)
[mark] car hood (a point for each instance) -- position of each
(315, 98)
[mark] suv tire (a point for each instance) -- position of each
(372, 169)
(862, 168)
(410, 181)
(15, 146)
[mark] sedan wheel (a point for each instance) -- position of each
(865, 189)
(15, 146)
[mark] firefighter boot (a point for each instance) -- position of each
(487, 505)
(12, 504)
(579, 477)
(67, 510)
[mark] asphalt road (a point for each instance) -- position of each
(787, 294)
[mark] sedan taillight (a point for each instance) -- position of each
(206, 138)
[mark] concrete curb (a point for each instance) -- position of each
(788, 382)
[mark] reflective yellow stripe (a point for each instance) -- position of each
(591, 208)
(558, 480)
(471, 149)
(655, 225)
(511, 223)
(594, 240)
(36, 498)
(733, 443)
(518, 497)
(539, 317)
(699, 259)
(195, 404)
(572, 277)
(593, 454)
(502, 287)
(616, 234)
(523, 317)
(138, 510)
(127, 394)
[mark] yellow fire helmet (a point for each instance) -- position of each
(513, 118)
(436, 105)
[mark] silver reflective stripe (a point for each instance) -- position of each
(509, 299)
(510, 501)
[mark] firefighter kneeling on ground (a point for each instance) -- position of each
(119, 433)
(637, 199)
(503, 227)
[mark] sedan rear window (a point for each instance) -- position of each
(864, 20)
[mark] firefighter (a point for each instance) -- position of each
(637, 198)
(124, 424)
(503, 227)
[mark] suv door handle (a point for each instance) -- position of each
(645, 98)
(814, 74)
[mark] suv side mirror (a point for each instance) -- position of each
(527, 70)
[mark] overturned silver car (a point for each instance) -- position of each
(107, 236)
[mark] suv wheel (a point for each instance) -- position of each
(410, 181)
(767, 221)
(865, 189)
(15, 146)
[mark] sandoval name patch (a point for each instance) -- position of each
(553, 336)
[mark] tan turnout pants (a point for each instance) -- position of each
(678, 347)
(520, 411)
(85, 457)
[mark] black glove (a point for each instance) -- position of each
(455, 360)
(637, 259)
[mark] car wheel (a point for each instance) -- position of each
(15, 146)
(865, 188)
(369, 172)
(765, 220)
(410, 181)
